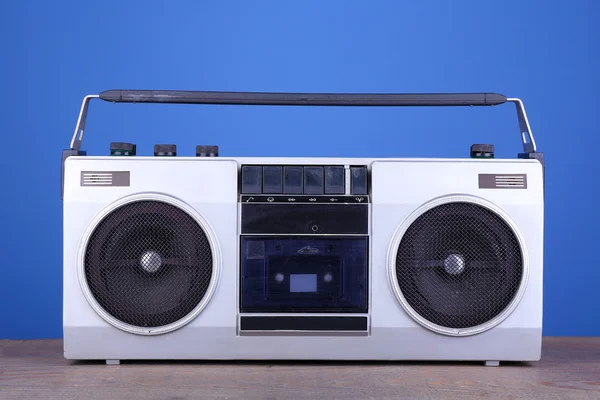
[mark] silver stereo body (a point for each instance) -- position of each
(209, 257)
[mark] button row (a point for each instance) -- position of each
(314, 180)
(160, 150)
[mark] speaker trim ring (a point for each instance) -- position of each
(170, 200)
(407, 223)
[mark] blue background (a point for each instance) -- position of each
(54, 53)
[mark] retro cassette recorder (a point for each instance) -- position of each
(211, 257)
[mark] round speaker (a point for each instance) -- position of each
(458, 265)
(148, 264)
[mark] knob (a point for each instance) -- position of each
(482, 151)
(207, 151)
(168, 150)
(122, 149)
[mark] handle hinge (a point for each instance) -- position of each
(526, 134)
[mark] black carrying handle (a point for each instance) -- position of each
(303, 99)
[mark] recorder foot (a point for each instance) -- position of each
(492, 363)
(113, 362)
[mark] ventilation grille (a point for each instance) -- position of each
(105, 178)
(148, 264)
(505, 181)
(459, 265)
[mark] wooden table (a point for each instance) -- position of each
(569, 369)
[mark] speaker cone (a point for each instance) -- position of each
(459, 265)
(148, 264)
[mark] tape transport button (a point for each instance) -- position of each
(313, 180)
(358, 183)
(334, 179)
(252, 179)
(292, 180)
(272, 179)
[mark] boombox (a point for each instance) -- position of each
(241, 258)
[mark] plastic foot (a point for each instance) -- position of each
(113, 362)
(492, 363)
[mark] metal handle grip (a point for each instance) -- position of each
(306, 99)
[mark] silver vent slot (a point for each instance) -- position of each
(104, 178)
(502, 181)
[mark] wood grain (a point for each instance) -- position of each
(569, 369)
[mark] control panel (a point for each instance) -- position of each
(304, 199)
(304, 180)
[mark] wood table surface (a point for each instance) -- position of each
(36, 369)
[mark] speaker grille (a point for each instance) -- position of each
(148, 264)
(459, 265)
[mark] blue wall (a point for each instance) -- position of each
(54, 53)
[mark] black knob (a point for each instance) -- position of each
(482, 151)
(122, 149)
(207, 151)
(168, 150)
